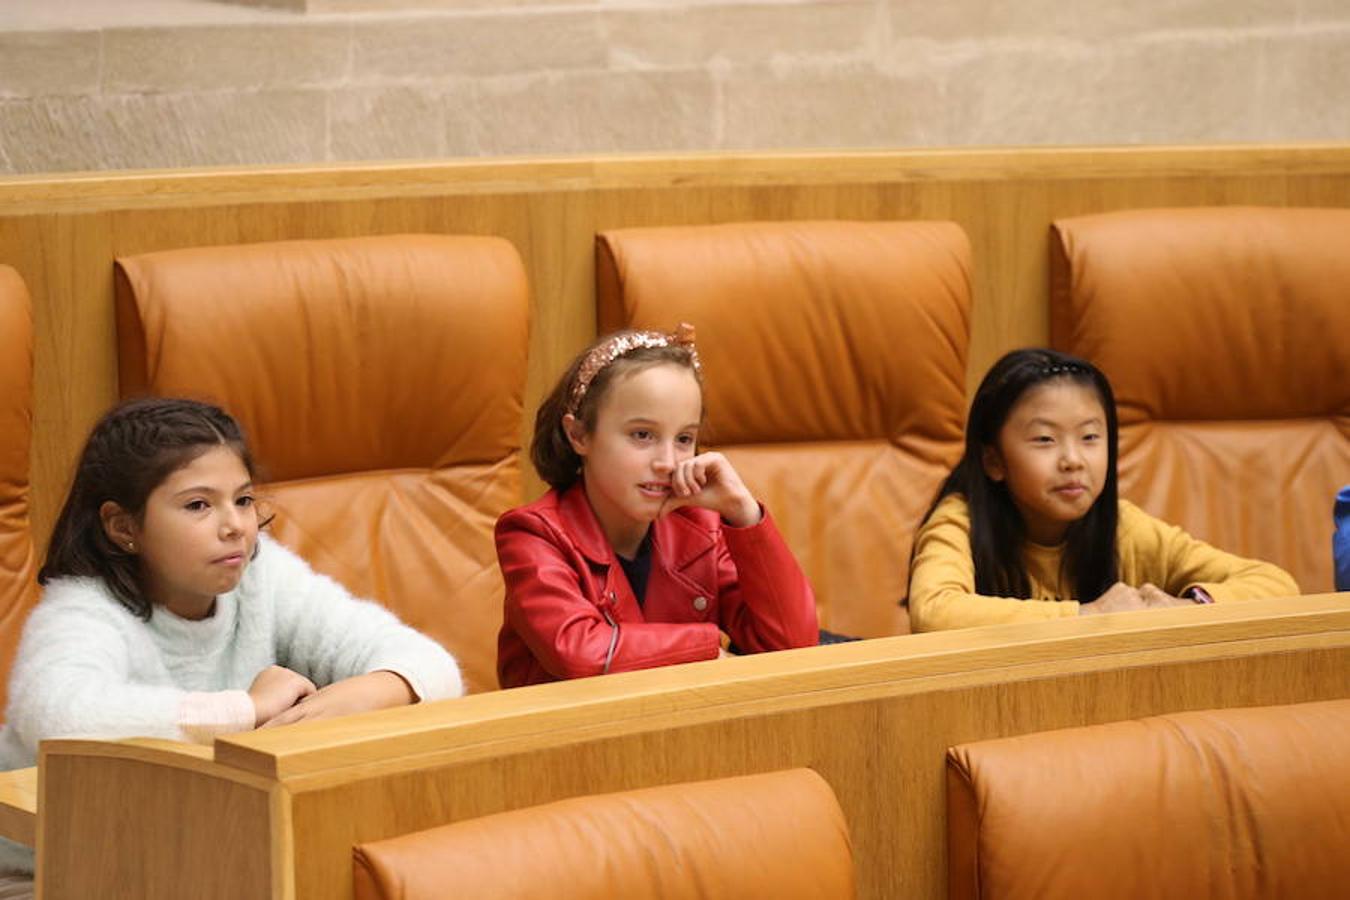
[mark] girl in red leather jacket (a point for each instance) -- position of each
(645, 549)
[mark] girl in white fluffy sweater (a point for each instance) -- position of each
(167, 614)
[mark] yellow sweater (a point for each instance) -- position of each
(942, 580)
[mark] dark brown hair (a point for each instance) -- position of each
(550, 451)
(130, 452)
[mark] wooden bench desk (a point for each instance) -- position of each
(275, 813)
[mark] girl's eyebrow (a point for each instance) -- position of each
(205, 489)
(641, 420)
(1095, 420)
(196, 489)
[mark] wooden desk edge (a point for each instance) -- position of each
(806, 675)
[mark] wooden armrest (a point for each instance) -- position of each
(18, 805)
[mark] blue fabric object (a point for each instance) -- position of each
(1340, 541)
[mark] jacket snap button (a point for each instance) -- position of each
(700, 603)
(613, 598)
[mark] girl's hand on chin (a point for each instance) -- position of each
(710, 481)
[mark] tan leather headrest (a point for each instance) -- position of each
(338, 356)
(1223, 803)
(808, 331)
(779, 835)
(1222, 313)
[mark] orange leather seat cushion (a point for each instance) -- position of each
(1226, 335)
(18, 561)
(779, 835)
(1230, 803)
(380, 382)
(834, 357)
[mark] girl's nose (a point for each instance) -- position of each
(1072, 457)
(664, 460)
(231, 522)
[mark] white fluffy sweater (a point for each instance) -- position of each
(87, 667)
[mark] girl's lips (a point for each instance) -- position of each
(654, 490)
(1072, 490)
(233, 559)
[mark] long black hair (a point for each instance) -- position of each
(132, 449)
(997, 530)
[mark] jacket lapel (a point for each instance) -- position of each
(613, 590)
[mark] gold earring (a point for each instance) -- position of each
(131, 546)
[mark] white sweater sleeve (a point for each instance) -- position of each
(326, 634)
(71, 678)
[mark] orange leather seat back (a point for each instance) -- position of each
(779, 835)
(380, 383)
(1225, 803)
(1226, 335)
(834, 359)
(18, 561)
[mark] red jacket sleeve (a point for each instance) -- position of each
(766, 602)
(569, 634)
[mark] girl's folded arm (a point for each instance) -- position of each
(1191, 563)
(328, 635)
(765, 599)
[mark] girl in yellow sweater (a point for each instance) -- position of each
(1029, 526)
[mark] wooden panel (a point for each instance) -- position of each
(63, 233)
(150, 820)
(18, 805)
(883, 757)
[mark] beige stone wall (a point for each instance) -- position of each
(86, 84)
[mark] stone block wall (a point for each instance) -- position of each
(85, 84)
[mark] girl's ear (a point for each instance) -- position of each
(576, 434)
(992, 461)
(119, 525)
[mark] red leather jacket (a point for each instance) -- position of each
(571, 613)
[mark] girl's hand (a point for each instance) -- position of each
(709, 481)
(276, 689)
(1120, 597)
(1157, 598)
(374, 690)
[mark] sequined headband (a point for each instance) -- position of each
(621, 345)
(1063, 369)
